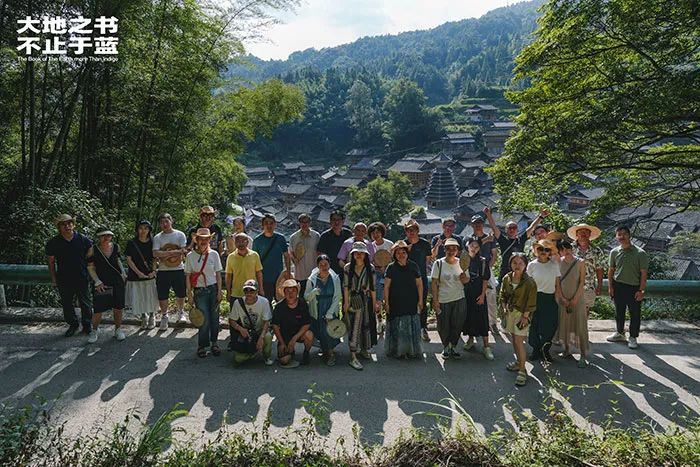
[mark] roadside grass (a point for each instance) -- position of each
(28, 437)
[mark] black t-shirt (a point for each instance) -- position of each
(290, 320)
(330, 244)
(403, 296)
(479, 271)
(107, 267)
(142, 256)
(216, 239)
(418, 253)
(441, 250)
(70, 257)
(509, 246)
(486, 247)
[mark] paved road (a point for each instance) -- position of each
(152, 371)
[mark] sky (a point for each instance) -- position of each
(327, 23)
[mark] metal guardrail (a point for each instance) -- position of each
(32, 274)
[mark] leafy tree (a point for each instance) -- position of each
(409, 121)
(614, 92)
(686, 244)
(383, 199)
(363, 114)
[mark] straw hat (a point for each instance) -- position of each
(196, 317)
(171, 261)
(299, 250)
(544, 243)
(571, 231)
(555, 236)
(203, 232)
(382, 258)
(411, 223)
(451, 242)
(336, 328)
(64, 218)
(464, 261)
(207, 210)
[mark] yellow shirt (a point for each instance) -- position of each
(242, 268)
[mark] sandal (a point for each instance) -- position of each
(513, 366)
(201, 352)
(215, 350)
(521, 379)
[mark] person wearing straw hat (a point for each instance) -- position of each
(448, 280)
(404, 299)
(544, 324)
(360, 304)
(105, 268)
(303, 249)
(204, 290)
(377, 232)
(323, 294)
(274, 255)
(206, 221)
(420, 253)
(291, 323)
(170, 246)
(67, 254)
(141, 293)
(250, 317)
(594, 258)
(332, 240)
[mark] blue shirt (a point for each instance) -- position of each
(271, 251)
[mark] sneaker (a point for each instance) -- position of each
(151, 321)
(144, 321)
(355, 363)
(616, 337)
(164, 323)
(331, 360)
(469, 344)
(119, 334)
(424, 335)
(632, 344)
(454, 354)
(72, 329)
(446, 353)
(92, 337)
(306, 358)
(269, 361)
(181, 316)
(488, 353)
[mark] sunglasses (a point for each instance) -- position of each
(543, 250)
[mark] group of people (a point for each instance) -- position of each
(319, 287)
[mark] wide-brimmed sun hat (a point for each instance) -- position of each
(64, 218)
(359, 247)
(203, 232)
(207, 210)
(290, 283)
(595, 231)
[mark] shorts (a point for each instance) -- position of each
(512, 318)
(165, 280)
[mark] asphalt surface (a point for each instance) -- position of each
(150, 372)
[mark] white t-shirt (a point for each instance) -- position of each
(193, 264)
(451, 288)
(384, 246)
(259, 311)
(160, 240)
(544, 274)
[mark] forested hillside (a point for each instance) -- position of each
(468, 58)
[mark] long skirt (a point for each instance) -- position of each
(403, 335)
(450, 321)
(362, 327)
(320, 329)
(476, 323)
(544, 322)
(142, 297)
(573, 327)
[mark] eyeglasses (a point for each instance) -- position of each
(543, 250)
(207, 215)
